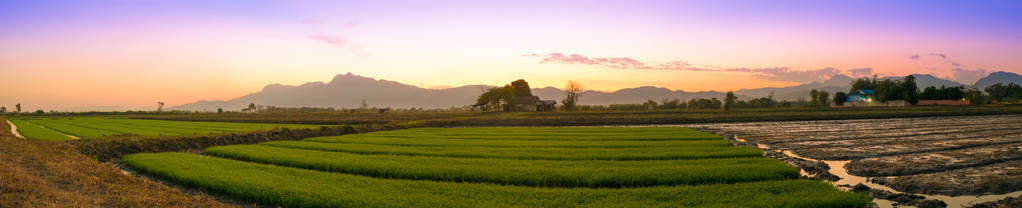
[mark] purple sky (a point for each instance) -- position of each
(66, 54)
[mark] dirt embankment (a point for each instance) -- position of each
(1014, 202)
(37, 173)
(113, 148)
(996, 178)
(952, 156)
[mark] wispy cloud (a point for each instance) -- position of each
(773, 73)
(860, 72)
(914, 57)
(335, 40)
(941, 55)
(788, 75)
(619, 63)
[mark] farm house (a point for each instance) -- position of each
(861, 95)
(533, 103)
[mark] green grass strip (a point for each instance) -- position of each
(75, 130)
(291, 187)
(644, 153)
(94, 127)
(103, 126)
(34, 131)
(539, 133)
(613, 174)
(359, 139)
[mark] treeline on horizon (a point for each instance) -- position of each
(907, 90)
(499, 99)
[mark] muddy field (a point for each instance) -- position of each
(953, 156)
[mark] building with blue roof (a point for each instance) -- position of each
(862, 95)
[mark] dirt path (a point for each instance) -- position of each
(14, 129)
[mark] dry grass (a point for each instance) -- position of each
(49, 174)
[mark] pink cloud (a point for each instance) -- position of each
(335, 40)
(775, 73)
(860, 72)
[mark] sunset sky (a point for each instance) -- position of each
(133, 53)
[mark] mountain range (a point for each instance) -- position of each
(349, 91)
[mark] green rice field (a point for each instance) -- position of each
(59, 129)
(500, 167)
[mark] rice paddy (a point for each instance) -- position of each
(60, 128)
(500, 167)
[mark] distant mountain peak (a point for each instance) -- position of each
(1003, 74)
(998, 77)
(273, 87)
(839, 79)
(349, 76)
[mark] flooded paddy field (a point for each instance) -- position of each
(961, 160)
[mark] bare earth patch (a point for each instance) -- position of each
(963, 155)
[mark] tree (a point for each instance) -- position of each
(909, 90)
(819, 98)
(1002, 92)
(219, 110)
(814, 97)
(764, 102)
(649, 105)
(930, 93)
(864, 83)
(888, 90)
(573, 91)
(521, 88)
(496, 99)
(670, 104)
(975, 96)
(40, 112)
(18, 106)
(823, 98)
(3, 110)
(840, 97)
(159, 106)
(729, 100)
(251, 107)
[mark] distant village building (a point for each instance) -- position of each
(861, 95)
(533, 103)
(865, 97)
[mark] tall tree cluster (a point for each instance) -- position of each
(1005, 92)
(943, 93)
(730, 100)
(819, 98)
(503, 98)
(887, 90)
